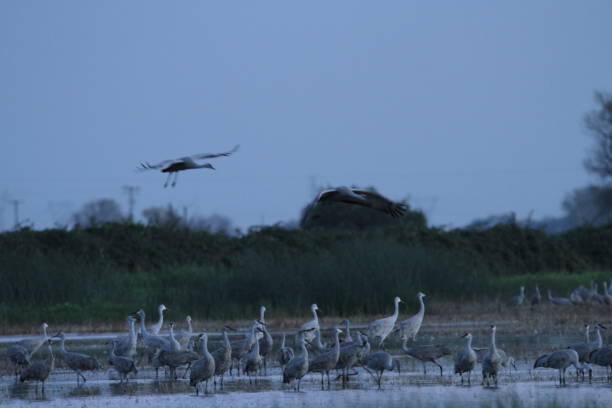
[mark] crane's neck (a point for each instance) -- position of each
(255, 348)
(189, 326)
(45, 336)
(226, 341)
(282, 341)
(469, 342)
(396, 311)
(336, 341)
(586, 334)
(51, 357)
(421, 306)
(303, 346)
(405, 345)
(143, 328)
(314, 314)
(598, 337)
(160, 321)
(347, 335)
(204, 345)
(493, 348)
(131, 329)
(262, 312)
(62, 345)
(318, 341)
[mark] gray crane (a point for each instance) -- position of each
(427, 353)
(325, 362)
(348, 339)
(222, 357)
(409, 328)
(173, 344)
(252, 361)
(559, 301)
(584, 349)
(381, 328)
(518, 299)
(297, 367)
(77, 362)
(603, 357)
(607, 297)
(176, 359)
(379, 362)
(184, 336)
(363, 198)
(466, 358)
(285, 353)
(561, 360)
(126, 345)
(316, 346)
(151, 342)
(173, 166)
(40, 370)
(491, 363)
(507, 361)
(241, 347)
(203, 369)
(123, 365)
(266, 343)
(351, 354)
(537, 297)
(20, 353)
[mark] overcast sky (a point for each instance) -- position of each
(469, 108)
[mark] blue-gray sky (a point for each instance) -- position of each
(469, 108)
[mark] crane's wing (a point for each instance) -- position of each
(213, 155)
(382, 203)
(148, 166)
(341, 194)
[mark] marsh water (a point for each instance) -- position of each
(522, 386)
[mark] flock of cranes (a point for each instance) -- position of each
(250, 354)
(579, 296)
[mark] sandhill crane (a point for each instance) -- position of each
(285, 353)
(241, 347)
(126, 345)
(156, 327)
(297, 367)
(40, 370)
(222, 357)
(20, 353)
(537, 297)
(560, 359)
(364, 198)
(583, 293)
(382, 327)
(151, 342)
(317, 346)
(466, 358)
(325, 362)
(575, 298)
(266, 343)
(123, 365)
(506, 360)
(173, 166)
(347, 332)
(379, 362)
(312, 324)
(518, 299)
(351, 354)
(77, 362)
(427, 353)
(410, 327)
(584, 349)
(175, 359)
(252, 361)
(559, 301)
(262, 321)
(491, 363)
(184, 336)
(202, 369)
(603, 357)
(173, 344)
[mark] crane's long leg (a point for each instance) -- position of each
(438, 366)
(175, 177)
(167, 180)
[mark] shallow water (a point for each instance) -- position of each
(521, 387)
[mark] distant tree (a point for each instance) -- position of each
(98, 212)
(340, 215)
(599, 125)
(591, 205)
(214, 223)
(165, 216)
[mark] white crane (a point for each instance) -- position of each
(156, 327)
(309, 327)
(382, 327)
(173, 166)
(410, 327)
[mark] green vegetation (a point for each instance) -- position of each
(101, 273)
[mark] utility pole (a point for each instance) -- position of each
(131, 192)
(16, 204)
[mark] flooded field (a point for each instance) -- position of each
(518, 387)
